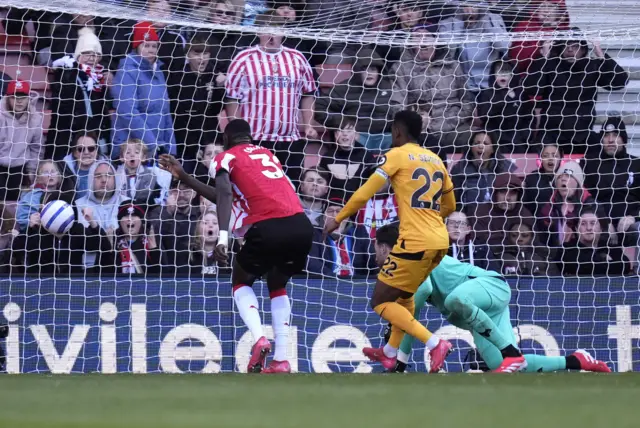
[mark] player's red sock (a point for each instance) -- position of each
(247, 304)
(280, 318)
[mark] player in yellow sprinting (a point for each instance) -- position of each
(424, 192)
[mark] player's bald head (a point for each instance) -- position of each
(238, 131)
(407, 126)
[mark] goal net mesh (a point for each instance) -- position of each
(532, 105)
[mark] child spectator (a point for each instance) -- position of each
(565, 87)
(21, 137)
(463, 247)
(348, 162)
(493, 219)
(196, 94)
(589, 253)
(39, 252)
(335, 256)
(538, 185)
(173, 225)
(140, 96)
(84, 153)
(136, 251)
(548, 15)
(429, 74)
(523, 255)
(502, 110)
(314, 187)
(80, 98)
(171, 48)
(48, 179)
(203, 244)
(473, 21)
(205, 156)
(559, 217)
(473, 176)
(139, 182)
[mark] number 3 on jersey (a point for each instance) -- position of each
(274, 170)
(433, 183)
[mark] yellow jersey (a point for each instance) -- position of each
(419, 179)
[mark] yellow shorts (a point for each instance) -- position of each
(407, 270)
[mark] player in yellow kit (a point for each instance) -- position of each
(424, 192)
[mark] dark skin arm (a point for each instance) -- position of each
(224, 202)
(172, 165)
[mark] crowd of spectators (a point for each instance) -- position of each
(123, 92)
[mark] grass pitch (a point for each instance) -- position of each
(320, 401)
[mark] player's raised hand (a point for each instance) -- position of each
(172, 165)
(220, 254)
(330, 225)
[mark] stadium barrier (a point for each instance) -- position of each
(147, 326)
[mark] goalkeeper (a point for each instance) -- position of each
(476, 300)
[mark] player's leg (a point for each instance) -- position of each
(473, 302)
(420, 298)
(291, 250)
(249, 265)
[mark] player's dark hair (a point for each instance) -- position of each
(388, 235)
(410, 121)
(238, 130)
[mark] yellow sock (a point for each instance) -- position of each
(401, 318)
(397, 334)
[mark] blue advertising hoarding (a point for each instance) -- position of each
(169, 325)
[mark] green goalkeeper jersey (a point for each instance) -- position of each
(447, 276)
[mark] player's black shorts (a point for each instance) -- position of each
(282, 243)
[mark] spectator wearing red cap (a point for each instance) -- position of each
(548, 15)
(171, 50)
(140, 96)
(136, 251)
(20, 138)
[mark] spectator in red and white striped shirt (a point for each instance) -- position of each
(269, 86)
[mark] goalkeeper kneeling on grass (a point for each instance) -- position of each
(476, 300)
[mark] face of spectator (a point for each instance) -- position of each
(287, 12)
(427, 49)
(89, 58)
(572, 52)
(503, 78)
(48, 176)
(131, 225)
(382, 252)
(223, 14)
(184, 196)
(566, 186)
(612, 143)
(210, 152)
(132, 156)
(270, 42)
(521, 235)
(346, 137)
(209, 229)
(458, 227)
(18, 103)
(548, 14)
(471, 14)
(314, 186)
(482, 147)
(370, 76)
(409, 17)
(550, 159)
(506, 200)
(159, 9)
(331, 212)
(589, 229)
(86, 152)
(198, 61)
(104, 182)
(149, 51)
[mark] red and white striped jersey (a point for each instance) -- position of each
(268, 88)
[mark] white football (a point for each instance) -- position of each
(57, 217)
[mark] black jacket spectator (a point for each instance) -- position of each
(523, 254)
(612, 175)
(14, 25)
(538, 185)
(462, 246)
(566, 89)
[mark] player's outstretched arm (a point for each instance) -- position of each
(224, 201)
(172, 165)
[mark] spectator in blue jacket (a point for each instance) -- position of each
(140, 96)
